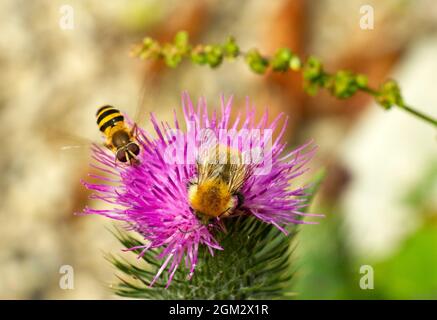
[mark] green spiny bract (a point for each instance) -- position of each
(255, 264)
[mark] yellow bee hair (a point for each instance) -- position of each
(212, 198)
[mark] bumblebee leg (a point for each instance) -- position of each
(240, 212)
(225, 213)
(189, 231)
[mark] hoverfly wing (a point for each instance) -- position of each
(68, 145)
(144, 98)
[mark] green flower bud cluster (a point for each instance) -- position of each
(173, 53)
(257, 63)
(342, 84)
(389, 95)
(230, 48)
(285, 59)
(150, 48)
(214, 54)
(313, 75)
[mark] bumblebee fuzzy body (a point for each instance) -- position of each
(119, 138)
(216, 191)
(211, 198)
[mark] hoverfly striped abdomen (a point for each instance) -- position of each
(108, 117)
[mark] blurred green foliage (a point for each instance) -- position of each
(138, 15)
(411, 273)
(421, 195)
(327, 268)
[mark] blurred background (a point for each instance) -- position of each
(380, 194)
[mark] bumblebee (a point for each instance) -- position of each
(119, 138)
(215, 192)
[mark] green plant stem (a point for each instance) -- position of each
(419, 115)
(406, 108)
(342, 84)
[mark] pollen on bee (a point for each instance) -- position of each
(212, 198)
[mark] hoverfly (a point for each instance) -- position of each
(119, 138)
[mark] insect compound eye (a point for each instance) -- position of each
(121, 155)
(134, 148)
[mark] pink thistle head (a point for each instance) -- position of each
(152, 197)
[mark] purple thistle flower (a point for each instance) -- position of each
(152, 196)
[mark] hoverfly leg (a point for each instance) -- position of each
(108, 146)
(134, 130)
(132, 157)
(133, 161)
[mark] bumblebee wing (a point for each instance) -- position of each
(231, 170)
(207, 171)
(238, 174)
(209, 165)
